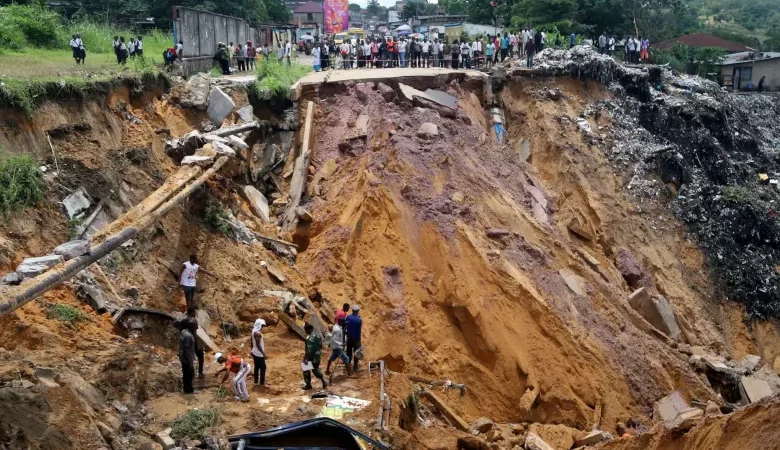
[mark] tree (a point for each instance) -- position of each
(354, 7)
(277, 11)
(545, 14)
(373, 7)
(412, 10)
(454, 7)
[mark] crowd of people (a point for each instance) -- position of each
(390, 52)
(243, 58)
(635, 50)
(345, 343)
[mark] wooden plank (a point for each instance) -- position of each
(301, 169)
(206, 339)
(297, 329)
(319, 325)
(456, 420)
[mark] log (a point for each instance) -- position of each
(301, 170)
(297, 329)
(456, 420)
(150, 203)
(236, 129)
(29, 290)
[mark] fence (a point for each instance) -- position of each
(201, 31)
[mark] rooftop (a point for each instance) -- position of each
(310, 7)
(703, 40)
(748, 57)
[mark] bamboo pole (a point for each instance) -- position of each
(31, 289)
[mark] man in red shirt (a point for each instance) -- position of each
(342, 313)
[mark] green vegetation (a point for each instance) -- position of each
(74, 226)
(66, 313)
(738, 195)
(194, 424)
(216, 217)
(21, 183)
(680, 56)
(278, 77)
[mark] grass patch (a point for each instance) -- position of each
(66, 313)
(277, 77)
(737, 195)
(216, 218)
(21, 183)
(194, 424)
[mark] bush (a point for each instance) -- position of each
(21, 183)
(217, 218)
(278, 77)
(41, 27)
(66, 313)
(194, 424)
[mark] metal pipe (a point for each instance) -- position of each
(47, 280)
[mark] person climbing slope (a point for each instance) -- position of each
(337, 346)
(188, 278)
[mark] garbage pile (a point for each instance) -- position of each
(716, 154)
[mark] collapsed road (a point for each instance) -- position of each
(539, 258)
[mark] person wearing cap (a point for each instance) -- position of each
(354, 329)
(312, 354)
(187, 354)
(258, 351)
(240, 368)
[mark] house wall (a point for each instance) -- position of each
(770, 69)
(303, 18)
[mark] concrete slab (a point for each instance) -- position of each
(220, 105)
(238, 142)
(257, 202)
(574, 282)
(196, 160)
(669, 407)
(246, 113)
(756, 389)
(76, 203)
(223, 149)
(534, 442)
(438, 97)
(592, 438)
(48, 260)
(73, 249)
(657, 311)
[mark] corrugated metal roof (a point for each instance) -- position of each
(748, 58)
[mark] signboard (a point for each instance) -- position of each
(336, 16)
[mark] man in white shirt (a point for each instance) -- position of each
(180, 50)
(526, 36)
(436, 52)
(426, 50)
(465, 52)
(139, 46)
(337, 342)
(287, 51)
(476, 50)
(188, 276)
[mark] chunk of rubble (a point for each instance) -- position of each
(220, 105)
(164, 438)
(257, 202)
(238, 143)
(223, 150)
(428, 130)
(574, 282)
(73, 249)
(628, 266)
(481, 425)
(197, 160)
(592, 438)
(581, 229)
(184, 146)
(32, 267)
(534, 442)
(497, 233)
(387, 92)
(527, 402)
(656, 310)
(755, 388)
(211, 139)
(246, 113)
(303, 214)
(76, 203)
(675, 414)
(749, 363)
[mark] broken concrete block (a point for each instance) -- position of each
(534, 442)
(581, 229)
(482, 425)
(48, 260)
(524, 149)
(22, 384)
(211, 139)
(223, 150)
(497, 233)
(756, 388)
(471, 443)
(246, 113)
(712, 409)
(220, 105)
(675, 414)
(275, 272)
(46, 372)
(164, 437)
(257, 202)
(32, 267)
(538, 195)
(193, 160)
(73, 249)
(303, 214)
(593, 438)
(657, 311)
(76, 203)
(685, 420)
(590, 259)
(12, 279)
(494, 435)
(527, 402)
(48, 383)
(749, 363)
(428, 130)
(574, 282)
(238, 142)
(387, 92)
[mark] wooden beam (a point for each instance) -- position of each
(301, 169)
(456, 420)
(297, 329)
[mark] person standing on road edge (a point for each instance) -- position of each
(240, 369)
(189, 269)
(354, 330)
(489, 52)
(530, 49)
(74, 46)
(116, 48)
(312, 354)
(187, 354)
(258, 350)
(139, 46)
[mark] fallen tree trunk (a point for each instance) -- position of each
(27, 291)
(301, 170)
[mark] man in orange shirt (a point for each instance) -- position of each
(391, 53)
(240, 368)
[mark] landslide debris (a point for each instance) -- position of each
(711, 155)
